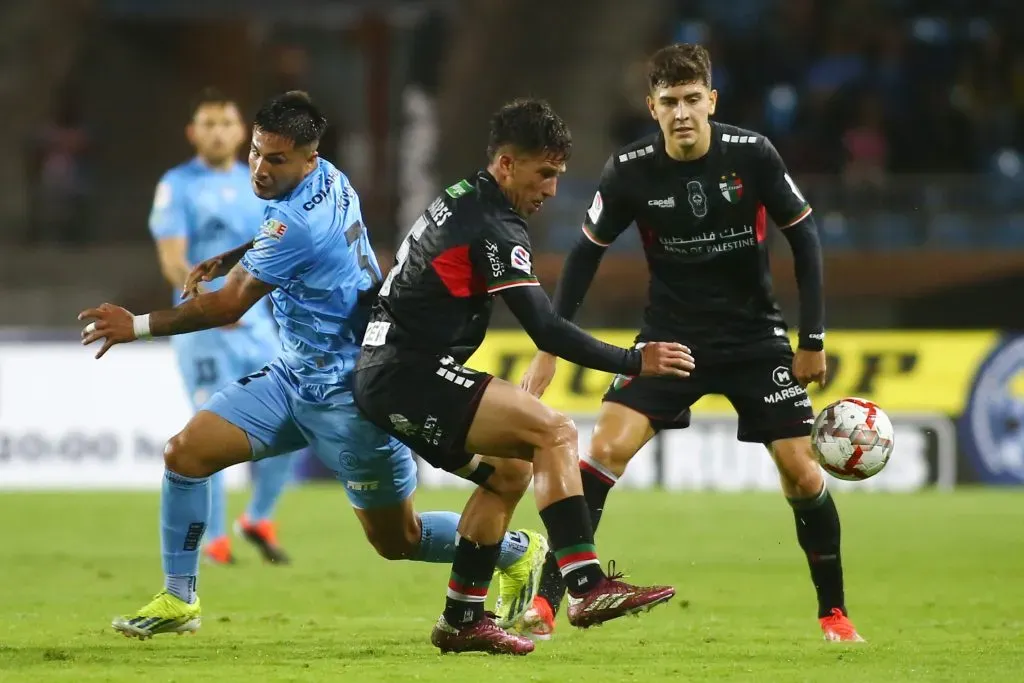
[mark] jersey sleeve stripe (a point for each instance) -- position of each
(532, 282)
(592, 238)
(802, 215)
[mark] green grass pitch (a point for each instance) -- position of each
(935, 582)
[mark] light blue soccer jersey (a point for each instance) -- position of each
(313, 247)
(214, 211)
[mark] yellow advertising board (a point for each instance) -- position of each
(920, 372)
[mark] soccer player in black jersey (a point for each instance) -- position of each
(432, 314)
(699, 193)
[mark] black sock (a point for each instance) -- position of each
(572, 542)
(467, 587)
(597, 482)
(817, 530)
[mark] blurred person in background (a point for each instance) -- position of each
(58, 175)
(202, 208)
(700, 193)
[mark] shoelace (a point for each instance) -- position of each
(612, 574)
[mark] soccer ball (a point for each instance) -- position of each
(853, 439)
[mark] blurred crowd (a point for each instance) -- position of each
(903, 119)
(862, 88)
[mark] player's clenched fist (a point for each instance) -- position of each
(666, 358)
(113, 324)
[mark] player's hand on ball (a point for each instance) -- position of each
(112, 324)
(540, 373)
(666, 358)
(210, 269)
(809, 366)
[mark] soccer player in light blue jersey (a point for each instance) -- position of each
(203, 208)
(313, 257)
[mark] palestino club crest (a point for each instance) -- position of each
(731, 187)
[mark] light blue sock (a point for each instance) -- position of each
(184, 509)
(439, 534)
(438, 531)
(271, 475)
(513, 547)
(216, 525)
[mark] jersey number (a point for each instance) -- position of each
(403, 253)
(357, 233)
(256, 375)
(206, 371)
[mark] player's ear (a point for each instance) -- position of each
(650, 107)
(506, 163)
(190, 134)
(713, 99)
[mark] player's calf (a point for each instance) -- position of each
(817, 526)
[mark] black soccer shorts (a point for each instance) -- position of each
(426, 401)
(769, 402)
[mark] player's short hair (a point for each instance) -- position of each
(210, 95)
(531, 126)
(678, 64)
(292, 115)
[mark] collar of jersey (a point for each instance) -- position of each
(491, 185)
(665, 159)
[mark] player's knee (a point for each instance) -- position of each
(181, 457)
(798, 468)
(807, 482)
(510, 479)
(613, 454)
(558, 431)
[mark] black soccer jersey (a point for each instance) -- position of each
(469, 244)
(703, 226)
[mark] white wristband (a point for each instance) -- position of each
(140, 323)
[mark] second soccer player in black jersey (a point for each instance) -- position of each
(701, 193)
(434, 307)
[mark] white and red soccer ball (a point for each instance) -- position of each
(853, 439)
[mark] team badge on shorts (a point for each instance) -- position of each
(621, 382)
(402, 424)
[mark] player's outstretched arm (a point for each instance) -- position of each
(116, 325)
(213, 268)
(556, 335)
(577, 273)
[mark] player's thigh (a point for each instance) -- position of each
(259, 405)
(771, 405)
(427, 402)
(377, 471)
(207, 444)
(511, 423)
(620, 432)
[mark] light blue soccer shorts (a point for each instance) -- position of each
(376, 469)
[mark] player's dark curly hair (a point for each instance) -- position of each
(209, 95)
(678, 64)
(292, 115)
(530, 126)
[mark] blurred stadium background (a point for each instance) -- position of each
(902, 121)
